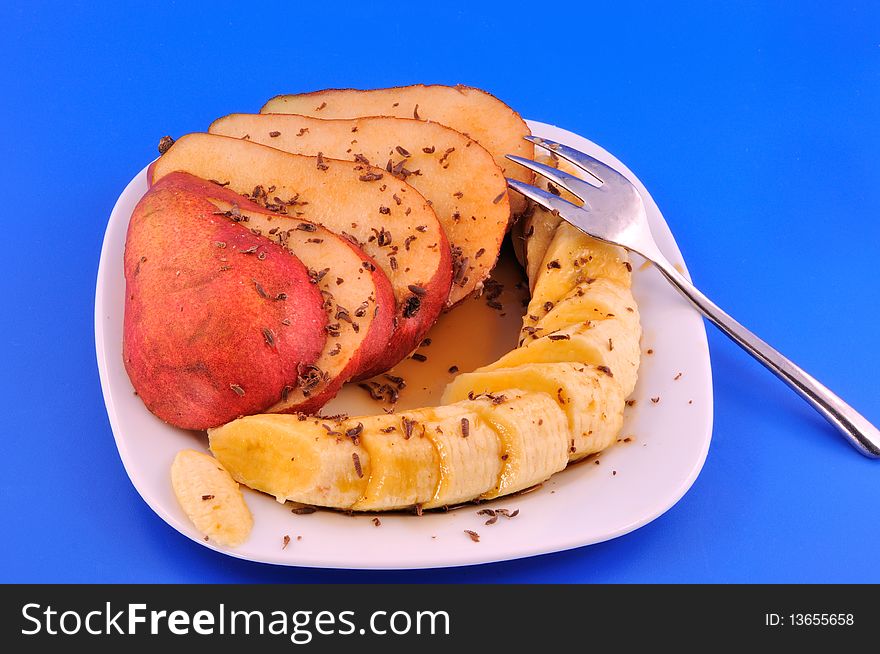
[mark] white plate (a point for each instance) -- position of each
(633, 484)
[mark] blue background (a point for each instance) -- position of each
(755, 125)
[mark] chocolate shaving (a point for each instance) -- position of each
(474, 536)
(354, 432)
(238, 389)
(357, 464)
(411, 306)
(308, 378)
(165, 144)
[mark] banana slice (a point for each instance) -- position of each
(596, 300)
(310, 461)
(539, 227)
(533, 433)
(210, 498)
(574, 258)
(404, 464)
(592, 401)
(608, 343)
(469, 451)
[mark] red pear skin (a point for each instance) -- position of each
(366, 347)
(217, 320)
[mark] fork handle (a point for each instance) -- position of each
(861, 434)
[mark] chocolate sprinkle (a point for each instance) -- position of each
(165, 144)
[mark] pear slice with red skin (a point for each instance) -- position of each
(201, 345)
(358, 300)
(354, 200)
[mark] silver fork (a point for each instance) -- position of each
(613, 211)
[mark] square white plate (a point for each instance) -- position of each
(633, 483)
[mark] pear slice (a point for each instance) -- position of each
(473, 112)
(460, 179)
(355, 201)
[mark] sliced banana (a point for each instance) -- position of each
(608, 343)
(540, 225)
(593, 301)
(310, 461)
(533, 435)
(210, 498)
(404, 464)
(469, 452)
(591, 400)
(574, 258)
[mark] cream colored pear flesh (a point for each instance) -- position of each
(460, 179)
(473, 112)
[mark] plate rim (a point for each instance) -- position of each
(522, 552)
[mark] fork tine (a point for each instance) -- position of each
(570, 183)
(544, 198)
(596, 168)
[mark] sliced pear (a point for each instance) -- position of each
(308, 460)
(210, 498)
(406, 240)
(592, 401)
(473, 112)
(456, 175)
(365, 297)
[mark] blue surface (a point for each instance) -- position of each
(755, 127)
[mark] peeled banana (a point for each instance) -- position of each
(481, 447)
